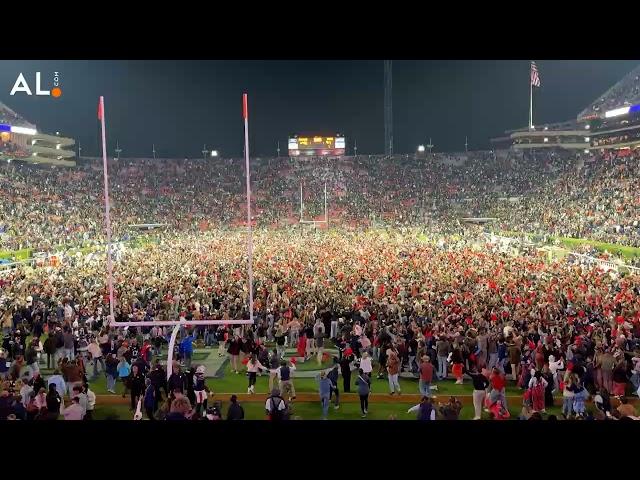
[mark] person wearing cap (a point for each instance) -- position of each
(426, 376)
(275, 406)
(235, 411)
(393, 369)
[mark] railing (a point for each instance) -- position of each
(606, 265)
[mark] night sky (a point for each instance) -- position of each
(181, 105)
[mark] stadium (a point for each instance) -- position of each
(494, 284)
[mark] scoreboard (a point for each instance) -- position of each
(316, 146)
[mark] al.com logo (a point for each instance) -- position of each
(22, 86)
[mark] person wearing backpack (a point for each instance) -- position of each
(364, 388)
(275, 406)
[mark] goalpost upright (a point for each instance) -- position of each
(326, 209)
(176, 324)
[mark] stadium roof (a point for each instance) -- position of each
(625, 92)
(8, 116)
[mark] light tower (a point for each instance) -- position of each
(388, 108)
(204, 152)
(118, 150)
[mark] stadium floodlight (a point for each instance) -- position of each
(545, 140)
(587, 139)
(24, 130)
(616, 112)
(421, 148)
(546, 128)
(214, 153)
(587, 127)
(57, 146)
(586, 150)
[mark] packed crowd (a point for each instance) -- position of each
(550, 193)
(597, 202)
(9, 117)
(464, 309)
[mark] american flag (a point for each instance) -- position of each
(535, 78)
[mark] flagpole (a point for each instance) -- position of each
(245, 114)
(107, 210)
(530, 98)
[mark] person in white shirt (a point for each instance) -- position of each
(91, 403)
(275, 405)
(68, 312)
(253, 366)
(96, 356)
(554, 367)
(365, 364)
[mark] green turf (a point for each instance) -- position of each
(232, 382)
(313, 411)
(238, 383)
(311, 364)
(199, 356)
(572, 243)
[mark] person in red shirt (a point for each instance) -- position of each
(498, 383)
(426, 376)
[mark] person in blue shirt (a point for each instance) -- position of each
(149, 399)
(325, 391)
(186, 349)
(124, 369)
